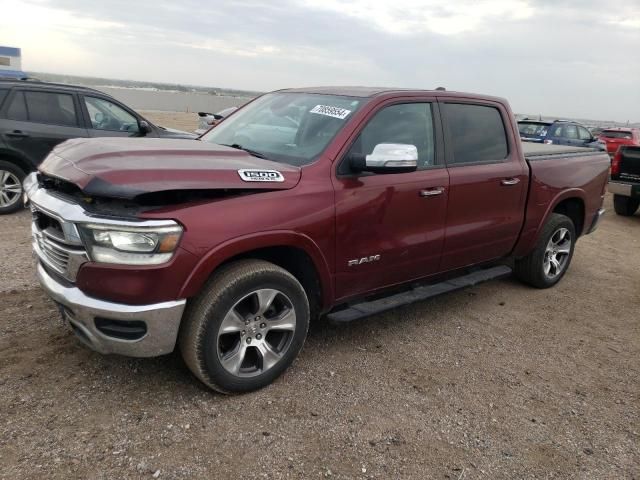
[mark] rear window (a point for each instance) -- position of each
(477, 133)
(51, 108)
(616, 134)
(3, 93)
(18, 108)
(532, 129)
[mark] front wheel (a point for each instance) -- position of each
(625, 206)
(11, 178)
(246, 327)
(550, 259)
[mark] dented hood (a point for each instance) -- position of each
(128, 167)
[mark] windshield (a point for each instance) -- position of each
(291, 128)
(535, 129)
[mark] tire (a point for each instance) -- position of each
(552, 245)
(625, 206)
(11, 178)
(269, 341)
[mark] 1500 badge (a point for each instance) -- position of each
(254, 175)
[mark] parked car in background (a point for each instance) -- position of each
(615, 137)
(558, 132)
(625, 180)
(208, 120)
(36, 116)
(230, 246)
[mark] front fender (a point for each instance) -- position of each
(247, 243)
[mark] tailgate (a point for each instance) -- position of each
(630, 164)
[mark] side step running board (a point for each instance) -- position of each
(364, 309)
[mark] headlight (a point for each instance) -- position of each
(130, 245)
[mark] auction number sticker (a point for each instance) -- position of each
(253, 175)
(335, 112)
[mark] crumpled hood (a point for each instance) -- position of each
(128, 167)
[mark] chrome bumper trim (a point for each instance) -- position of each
(162, 320)
(620, 188)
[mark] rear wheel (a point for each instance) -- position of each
(11, 178)
(246, 327)
(550, 259)
(625, 206)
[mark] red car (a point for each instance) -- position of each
(614, 137)
(338, 201)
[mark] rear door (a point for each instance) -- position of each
(390, 227)
(35, 121)
(487, 183)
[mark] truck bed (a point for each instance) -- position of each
(537, 151)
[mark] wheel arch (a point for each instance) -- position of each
(17, 159)
(292, 251)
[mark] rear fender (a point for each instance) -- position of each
(531, 232)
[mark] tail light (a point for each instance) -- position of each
(615, 162)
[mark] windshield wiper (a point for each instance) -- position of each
(248, 150)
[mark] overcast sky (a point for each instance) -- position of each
(573, 58)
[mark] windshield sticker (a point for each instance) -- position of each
(335, 112)
(253, 175)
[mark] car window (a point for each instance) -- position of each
(616, 134)
(18, 108)
(530, 128)
(584, 134)
(570, 131)
(408, 123)
(477, 133)
(3, 94)
(51, 108)
(556, 131)
(106, 115)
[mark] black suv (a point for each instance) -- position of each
(36, 116)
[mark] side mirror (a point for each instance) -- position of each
(144, 127)
(387, 158)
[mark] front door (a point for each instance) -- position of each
(488, 185)
(390, 227)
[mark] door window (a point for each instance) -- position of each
(3, 93)
(18, 108)
(407, 123)
(477, 133)
(583, 133)
(570, 132)
(51, 108)
(106, 115)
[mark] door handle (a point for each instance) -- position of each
(510, 181)
(17, 134)
(432, 192)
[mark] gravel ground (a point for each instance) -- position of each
(497, 381)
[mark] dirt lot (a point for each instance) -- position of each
(498, 381)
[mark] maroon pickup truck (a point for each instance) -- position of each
(327, 201)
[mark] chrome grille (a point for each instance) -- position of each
(52, 246)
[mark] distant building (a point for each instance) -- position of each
(11, 63)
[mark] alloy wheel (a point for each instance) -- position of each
(256, 332)
(10, 188)
(556, 255)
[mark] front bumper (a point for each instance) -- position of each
(161, 320)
